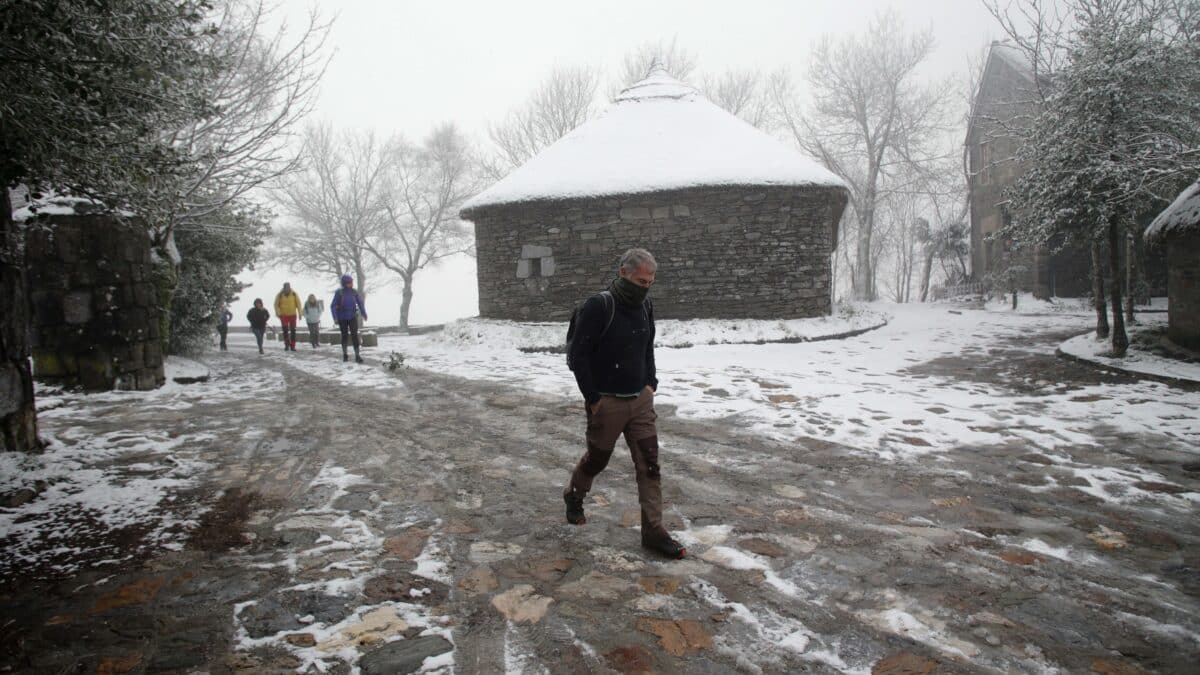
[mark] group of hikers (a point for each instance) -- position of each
(347, 307)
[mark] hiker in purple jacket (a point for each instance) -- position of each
(347, 305)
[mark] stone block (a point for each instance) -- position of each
(96, 371)
(152, 354)
(681, 211)
(548, 266)
(635, 213)
(523, 268)
(532, 251)
(143, 294)
(661, 212)
(77, 307)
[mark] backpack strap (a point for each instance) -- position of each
(611, 304)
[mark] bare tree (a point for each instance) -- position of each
(870, 115)
(561, 102)
(675, 59)
(743, 93)
(425, 187)
(333, 206)
(907, 230)
(262, 85)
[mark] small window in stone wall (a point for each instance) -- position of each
(535, 261)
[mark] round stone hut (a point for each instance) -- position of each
(1178, 227)
(742, 226)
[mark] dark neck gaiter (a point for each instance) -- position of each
(628, 292)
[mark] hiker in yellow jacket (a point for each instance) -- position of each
(288, 306)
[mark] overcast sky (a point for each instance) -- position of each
(403, 66)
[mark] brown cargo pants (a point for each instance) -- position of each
(634, 417)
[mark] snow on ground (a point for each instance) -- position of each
(1088, 348)
(872, 392)
(107, 480)
(1027, 304)
(544, 336)
(854, 391)
(316, 362)
(868, 392)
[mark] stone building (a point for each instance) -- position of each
(742, 226)
(1178, 229)
(1006, 95)
(93, 299)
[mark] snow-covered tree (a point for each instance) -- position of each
(88, 87)
(424, 187)
(212, 252)
(870, 115)
(1117, 134)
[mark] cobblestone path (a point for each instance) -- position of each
(380, 529)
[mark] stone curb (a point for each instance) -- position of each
(1185, 382)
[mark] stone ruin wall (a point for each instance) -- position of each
(748, 252)
(95, 313)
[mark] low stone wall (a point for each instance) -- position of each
(730, 252)
(1183, 289)
(95, 313)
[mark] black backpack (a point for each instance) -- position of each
(609, 302)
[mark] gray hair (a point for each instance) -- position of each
(635, 258)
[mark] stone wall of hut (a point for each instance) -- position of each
(1183, 288)
(95, 313)
(759, 253)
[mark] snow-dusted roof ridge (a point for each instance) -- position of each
(659, 134)
(1183, 214)
(1014, 57)
(658, 83)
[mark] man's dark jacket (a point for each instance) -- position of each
(619, 362)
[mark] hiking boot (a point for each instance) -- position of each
(358, 359)
(574, 508)
(664, 545)
(345, 356)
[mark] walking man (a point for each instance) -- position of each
(612, 354)
(347, 305)
(288, 307)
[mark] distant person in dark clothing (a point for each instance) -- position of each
(224, 316)
(347, 306)
(313, 309)
(612, 355)
(258, 317)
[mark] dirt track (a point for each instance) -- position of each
(806, 557)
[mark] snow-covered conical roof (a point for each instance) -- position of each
(659, 134)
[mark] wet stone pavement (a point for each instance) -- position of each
(335, 528)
